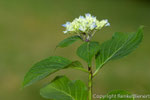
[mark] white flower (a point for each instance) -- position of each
(86, 25)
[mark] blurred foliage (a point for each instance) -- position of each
(30, 30)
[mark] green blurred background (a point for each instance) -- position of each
(30, 30)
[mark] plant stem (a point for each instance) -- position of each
(90, 83)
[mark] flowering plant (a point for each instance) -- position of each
(83, 28)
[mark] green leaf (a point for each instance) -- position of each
(61, 88)
(68, 41)
(118, 95)
(77, 65)
(119, 46)
(44, 68)
(87, 50)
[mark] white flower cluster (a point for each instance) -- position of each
(87, 24)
